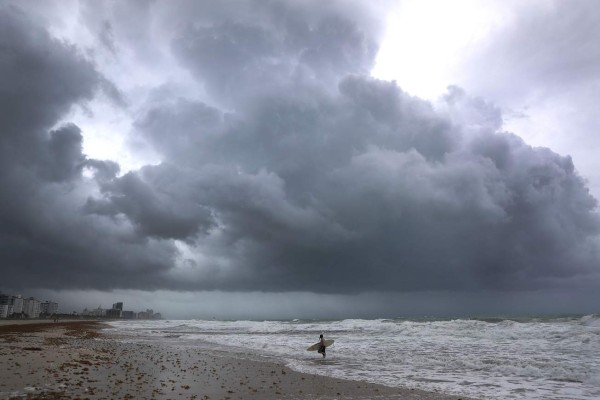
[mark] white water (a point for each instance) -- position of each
(535, 358)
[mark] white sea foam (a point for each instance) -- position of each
(535, 358)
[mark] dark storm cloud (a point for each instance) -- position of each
(40, 76)
(44, 238)
(373, 187)
(61, 157)
(163, 214)
(296, 172)
(283, 46)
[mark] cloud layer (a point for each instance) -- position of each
(290, 170)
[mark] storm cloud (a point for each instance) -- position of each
(290, 169)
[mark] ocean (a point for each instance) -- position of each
(488, 358)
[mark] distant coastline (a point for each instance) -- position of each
(15, 306)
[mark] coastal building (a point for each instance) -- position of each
(17, 302)
(32, 307)
(95, 313)
(6, 310)
(113, 313)
(4, 304)
(48, 308)
(148, 314)
(116, 311)
(11, 306)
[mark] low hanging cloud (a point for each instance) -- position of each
(295, 172)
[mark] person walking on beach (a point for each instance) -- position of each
(322, 347)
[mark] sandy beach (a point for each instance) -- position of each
(76, 360)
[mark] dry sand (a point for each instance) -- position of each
(75, 360)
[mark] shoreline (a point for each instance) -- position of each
(75, 359)
(8, 322)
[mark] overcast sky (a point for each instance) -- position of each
(255, 159)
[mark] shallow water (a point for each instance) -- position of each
(526, 358)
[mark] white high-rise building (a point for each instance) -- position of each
(5, 310)
(97, 312)
(31, 307)
(10, 305)
(4, 305)
(17, 302)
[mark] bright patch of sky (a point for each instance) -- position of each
(427, 40)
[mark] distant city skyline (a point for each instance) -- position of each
(16, 306)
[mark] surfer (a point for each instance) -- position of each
(322, 347)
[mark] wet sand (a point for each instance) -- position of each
(75, 360)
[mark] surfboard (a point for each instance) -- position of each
(316, 346)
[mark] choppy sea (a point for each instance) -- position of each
(487, 358)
